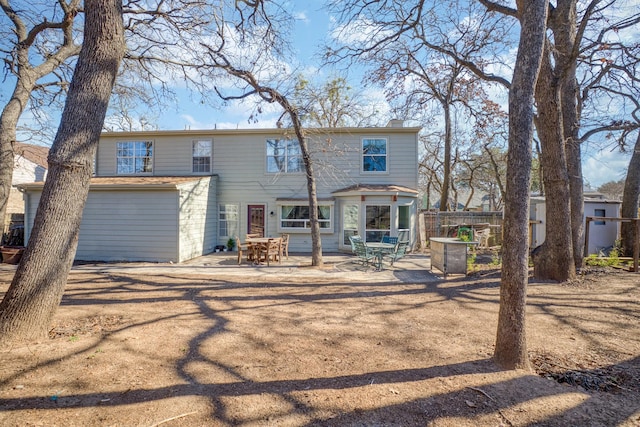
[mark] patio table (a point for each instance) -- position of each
(256, 243)
(379, 250)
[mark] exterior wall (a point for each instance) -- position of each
(123, 225)
(24, 171)
(27, 171)
(198, 221)
(601, 236)
(239, 160)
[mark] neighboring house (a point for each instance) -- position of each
(30, 165)
(174, 195)
(602, 234)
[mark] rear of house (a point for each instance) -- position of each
(175, 195)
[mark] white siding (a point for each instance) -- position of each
(198, 220)
(239, 161)
(125, 226)
(27, 171)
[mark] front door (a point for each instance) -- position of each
(255, 216)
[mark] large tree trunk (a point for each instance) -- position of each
(564, 30)
(38, 285)
(446, 162)
(511, 344)
(554, 259)
(630, 200)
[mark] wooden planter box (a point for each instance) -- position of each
(11, 254)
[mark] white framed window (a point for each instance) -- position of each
(374, 155)
(284, 156)
(350, 214)
(228, 220)
(377, 222)
(134, 157)
(296, 217)
(201, 156)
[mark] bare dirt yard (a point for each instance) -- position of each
(174, 348)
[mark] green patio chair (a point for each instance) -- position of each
(360, 249)
(399, 252)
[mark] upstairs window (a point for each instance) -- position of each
(134, 157)
(201, 155)
(284, 156)
(374, 155)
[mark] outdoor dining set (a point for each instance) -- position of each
(375, 253)
(266, 250)
(263, 249)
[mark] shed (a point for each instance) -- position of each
(157, 219)
(603, 234)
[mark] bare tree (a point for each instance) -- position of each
(38, 285)
(32, 48)
(332, 104)
(38, 48)
(395, 44)
(247, 44)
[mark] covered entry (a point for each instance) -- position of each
(373, 211)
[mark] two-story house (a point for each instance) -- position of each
(175, 195)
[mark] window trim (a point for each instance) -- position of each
(134, 173)
(363, 155)
(391, 218)
(193, 157)
(307, 228)
(286, 156)
(220, 220)
(596, 212)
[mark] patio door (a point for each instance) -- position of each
(255, 216)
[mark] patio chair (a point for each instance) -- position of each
(285, 245)
(270, 251)
(399, 252)
(482, 237)
(364, 256)
(352, 239)
(389, 239)
(242, 246)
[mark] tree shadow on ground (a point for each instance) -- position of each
(488, 396)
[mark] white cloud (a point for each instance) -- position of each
(604, 166)
(301, 16)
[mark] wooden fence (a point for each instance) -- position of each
(435, 224)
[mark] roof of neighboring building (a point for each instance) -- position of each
(34, 153)
(376, 188)
(131, 182)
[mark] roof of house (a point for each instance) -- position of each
(130, 182)
(376, 189)
(34, 153)
(262, 131)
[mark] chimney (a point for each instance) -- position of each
(395, 123)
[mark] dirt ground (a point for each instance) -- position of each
(171, 348)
